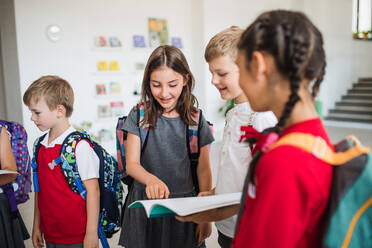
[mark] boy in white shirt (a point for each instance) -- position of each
(235, 157)
(61, 216)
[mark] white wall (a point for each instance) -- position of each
(195, 21)
(10, 87)
(347, 59)
(73, 57)
(218, 15)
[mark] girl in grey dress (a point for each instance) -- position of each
(162, 169)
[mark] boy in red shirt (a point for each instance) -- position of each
(61, 216)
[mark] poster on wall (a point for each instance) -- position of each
(158, 32)
(115, 89)
(117, 108)
(101, 90)
(100, 41)
(177, 42)
(104, 111)
(139, 41)
(114, 41)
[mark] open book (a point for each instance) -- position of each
(187, 205)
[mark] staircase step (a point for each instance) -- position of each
(363, 80)
(361, 91)
(355, 108)
(349, 117)
(351, 110)
(362, 85)
(356, 103)
(358, 96)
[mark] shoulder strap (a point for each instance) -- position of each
(193, 147)
(193, 135)
(319, 147)
(68, 161)
(145, 128)
(121, 137)
(34, 162)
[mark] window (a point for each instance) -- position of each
(362, 19)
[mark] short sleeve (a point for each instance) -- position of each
(206, 136)
(87, 161)
(131, 125)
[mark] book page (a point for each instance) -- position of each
(187, 205)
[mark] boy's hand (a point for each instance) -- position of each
(91, 240)
(156, 189)
(207, 193)
(202, 232)
(37, 238)
(197, 218)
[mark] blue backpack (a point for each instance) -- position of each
(192, 137)
(111, 190)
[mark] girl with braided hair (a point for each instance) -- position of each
(286, 191)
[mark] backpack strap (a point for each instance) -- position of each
(193, 148)
(145, 128)
(319, 147)
(34, 165)
(121, 138)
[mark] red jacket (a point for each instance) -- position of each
(292, 191)
(62, 212)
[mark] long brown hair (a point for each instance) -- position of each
(173, 58)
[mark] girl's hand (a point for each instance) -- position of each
(202, 232)
(91, 240)
(37, 238)
(156, 189)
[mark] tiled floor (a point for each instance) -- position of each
(336, 131)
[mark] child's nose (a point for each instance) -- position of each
(164, 91)
(214, 80)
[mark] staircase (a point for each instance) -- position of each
(356, 106)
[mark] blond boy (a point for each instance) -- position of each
(61, 217)
(220, 54)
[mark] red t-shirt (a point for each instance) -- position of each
(292, 191)
(62, 212)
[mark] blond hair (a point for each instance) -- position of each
(223, 43)
(54, 90)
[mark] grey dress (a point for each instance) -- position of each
(165, 156)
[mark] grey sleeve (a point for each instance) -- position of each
(206, 136)
(130, 125)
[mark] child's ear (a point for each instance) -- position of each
(61, 110)
(259, 64)
(187, 78)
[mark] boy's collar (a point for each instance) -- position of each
(58, 140)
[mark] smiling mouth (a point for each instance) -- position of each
(166, 100)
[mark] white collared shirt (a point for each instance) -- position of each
(87, 160)
(235, 157)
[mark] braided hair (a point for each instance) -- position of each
(296, 46)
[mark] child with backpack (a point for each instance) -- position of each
(160, 164)
(61, 216)
(13, 231)
(221, 53)
(281, 57)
